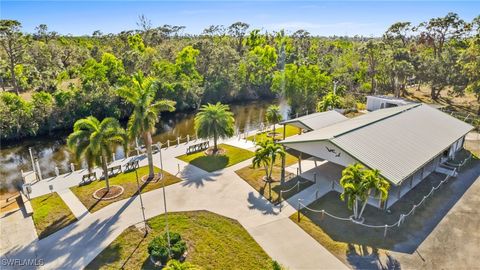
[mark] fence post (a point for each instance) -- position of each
(39, 171)
(188, 138)
(72, 167)
(298, 210)
(168, 143)
(57, 172)
(113, 157)
(385, 233)
(178, 140)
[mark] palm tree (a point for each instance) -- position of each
(329, 101)
(358, 183)
(95, 141)
(146, 111)
(214, 121)
(374, 182)
(265, 156)
(351, 183)
(273, 116)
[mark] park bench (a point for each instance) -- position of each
(130, 166)
(88, 178)
(112, 171)
(198, 147)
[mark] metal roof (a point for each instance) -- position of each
(316, 120)
(397, 141)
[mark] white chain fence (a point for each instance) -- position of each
(385, 226)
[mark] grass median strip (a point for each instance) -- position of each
(214, 242)
(127, 181)
(254, 177)
(289, 131)
(50, 214)
(232, 156)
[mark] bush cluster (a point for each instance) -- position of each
(158, 247)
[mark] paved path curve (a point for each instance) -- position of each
(222, 192)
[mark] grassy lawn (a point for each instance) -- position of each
(127, 181)
(349, 242)
(289, 131)
(233, 156)
(254, 178)
(214, 242)
(50, 214)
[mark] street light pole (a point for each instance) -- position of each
(164, 197)
(141, 202)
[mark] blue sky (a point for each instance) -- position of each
(318, 17)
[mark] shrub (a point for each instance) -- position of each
(276, 266)
(158, 247)
(361, 106)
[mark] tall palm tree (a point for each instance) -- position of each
(146, 111)
(358, 183)
(266, 156)
(214, 120)
(273, 116)
(95, 141)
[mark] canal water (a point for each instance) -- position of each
(51, 151)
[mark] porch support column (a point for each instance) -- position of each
(300, 163)
(282, 172)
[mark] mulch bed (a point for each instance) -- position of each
(272, 180)
(156, 177)
(220, 152)
(104, 195)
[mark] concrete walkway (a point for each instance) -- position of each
(75, 205)
(16, 230)
(222, 192)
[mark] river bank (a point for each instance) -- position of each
(52, 151)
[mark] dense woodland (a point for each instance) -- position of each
(50, 80)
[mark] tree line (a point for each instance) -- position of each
(49, 80)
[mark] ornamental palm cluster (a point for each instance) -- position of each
(265, 156)
(273, 116)
(358, 184)
(214, 120)
(95, 141)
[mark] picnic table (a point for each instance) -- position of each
(198, 147)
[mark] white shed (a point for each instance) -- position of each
(381, 102)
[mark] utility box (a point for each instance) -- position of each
(381, 102)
